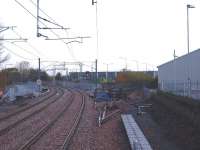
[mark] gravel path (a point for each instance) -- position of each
(110, 136)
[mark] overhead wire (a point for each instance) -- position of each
(37, 51)
(61, 27)
(20, 37)
(71, 53)
(17, 33)
(2, 29)
(25, 50)
(38, 56)
(67, 43)
(44, 12)
(75, 63)
(53, 20)
(9, 50)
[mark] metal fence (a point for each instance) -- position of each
(184, 88)
(21, 90)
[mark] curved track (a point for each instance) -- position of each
(18, 111)
(25, 125)
(62, 127)
(13, 120)
(75, 125)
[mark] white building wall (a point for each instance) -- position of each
(182, 75)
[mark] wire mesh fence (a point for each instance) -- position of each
(184, 88)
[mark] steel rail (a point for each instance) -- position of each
(111, 115)
(43, 130)
(75, 125)
(27, 107)
(11, 126)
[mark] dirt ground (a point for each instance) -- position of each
(171, 123)
(179, 120)
(151, 129)
(110, 136)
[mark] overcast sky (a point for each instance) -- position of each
(144, 30)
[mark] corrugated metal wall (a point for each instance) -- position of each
(182, 75)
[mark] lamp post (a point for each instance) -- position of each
(188, 27)
(97, 41)
(125, 59)
(188, 47)
(107, 69)
(145, 66)
(137, 63)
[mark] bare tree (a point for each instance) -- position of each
(3, 57)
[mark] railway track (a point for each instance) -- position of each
(43, 99)
(75, 125)
(12, 121)
(15, 134)
(67, 126)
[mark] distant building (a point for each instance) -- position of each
(91, 75)
(181, 76)
(101, 75)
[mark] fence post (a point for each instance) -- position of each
(184, 88)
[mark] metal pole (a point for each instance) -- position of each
(39, 74)
(81, 70)
(97, 40)
(96, 72)
(94, 2)
(145, 66)
(125, 60)
(188, 46)
(188, 35)
(107, 73)
(188, 27)
(137, 65)
(175, 71)
(38, 68)
(54, 76)
(126, 63)
(37, 34)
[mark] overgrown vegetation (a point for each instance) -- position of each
(13, 75)
(179, 117)
(138, 79)
(3, 56)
